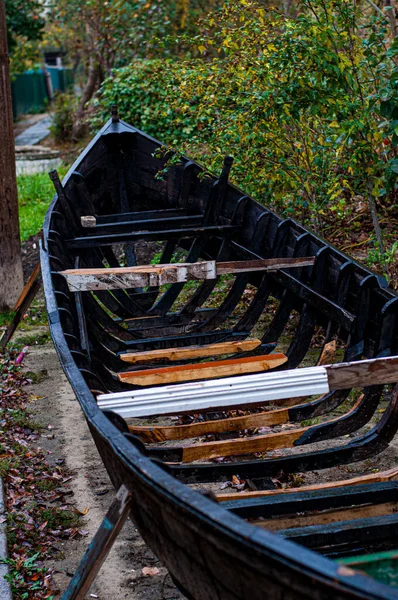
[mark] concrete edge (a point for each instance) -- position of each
(5, 587)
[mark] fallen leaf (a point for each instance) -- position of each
(81, 512)
(150, 571)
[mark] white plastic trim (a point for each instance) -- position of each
(218, 393)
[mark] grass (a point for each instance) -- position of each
(35, 193)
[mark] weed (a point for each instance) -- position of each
(19, 418)
(5, 465)
(35, 193)
(37, 377)
(59, 517)
(34, 340)
(46, 485)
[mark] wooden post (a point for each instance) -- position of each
(100, 546)
(11, 277)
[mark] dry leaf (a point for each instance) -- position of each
(150, 571)
(81, 512)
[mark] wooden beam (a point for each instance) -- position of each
(267, 264)
(209, 370)
(33, 277)
(246, 390)
(100, 546)
(384, 476)
(80, 280)
(24, 301)
(327, 517)
(361, 373)
(154, 275)
(182, 432)
(189, 352)
(249, 445)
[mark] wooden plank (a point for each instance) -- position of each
(239, 446)
(390, 475)
(34, 275)
(24, 301)
(327, 517)
(80, 280)
(245, 390)
(155, 275)
(260, 443)
(189, 352)
(268, 264)
(182, 432)
(100, 546)
(88, 221)
(209, 370)
(361, 373)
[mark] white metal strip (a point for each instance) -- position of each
(231, 391)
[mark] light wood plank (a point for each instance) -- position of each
(383, 477)
(80, 280)
(249, 445)
(189, 352)
(182, 432)
(327, 516)
(210, 370)
(267, 264)
(361, 373)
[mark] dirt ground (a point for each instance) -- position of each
(66, 436)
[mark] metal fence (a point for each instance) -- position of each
(29, 90)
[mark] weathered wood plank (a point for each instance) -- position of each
(327, 517)
(100, 546)
(24, 301)
(361, 373)
(265, 443)
(155, 275)
(33, 277)
(266, 264)
(210, 370)
(171, 354)
(182, 432)
(80, 280)
(390, 475)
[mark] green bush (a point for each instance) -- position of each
(64, 109)
(295, 100)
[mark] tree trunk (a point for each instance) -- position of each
(88, 91)
(11, 277)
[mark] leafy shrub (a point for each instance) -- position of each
(295, 100)
(64, 109)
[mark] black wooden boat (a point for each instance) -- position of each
(114, 210)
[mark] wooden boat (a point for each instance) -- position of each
(231, 281)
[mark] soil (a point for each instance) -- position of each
(30, 254)
(65, 436)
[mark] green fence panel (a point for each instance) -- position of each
(61, 79)
(29, 93)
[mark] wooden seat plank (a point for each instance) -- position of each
(189, 352)
(156, 275)
(80, 280)
(209, 370)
